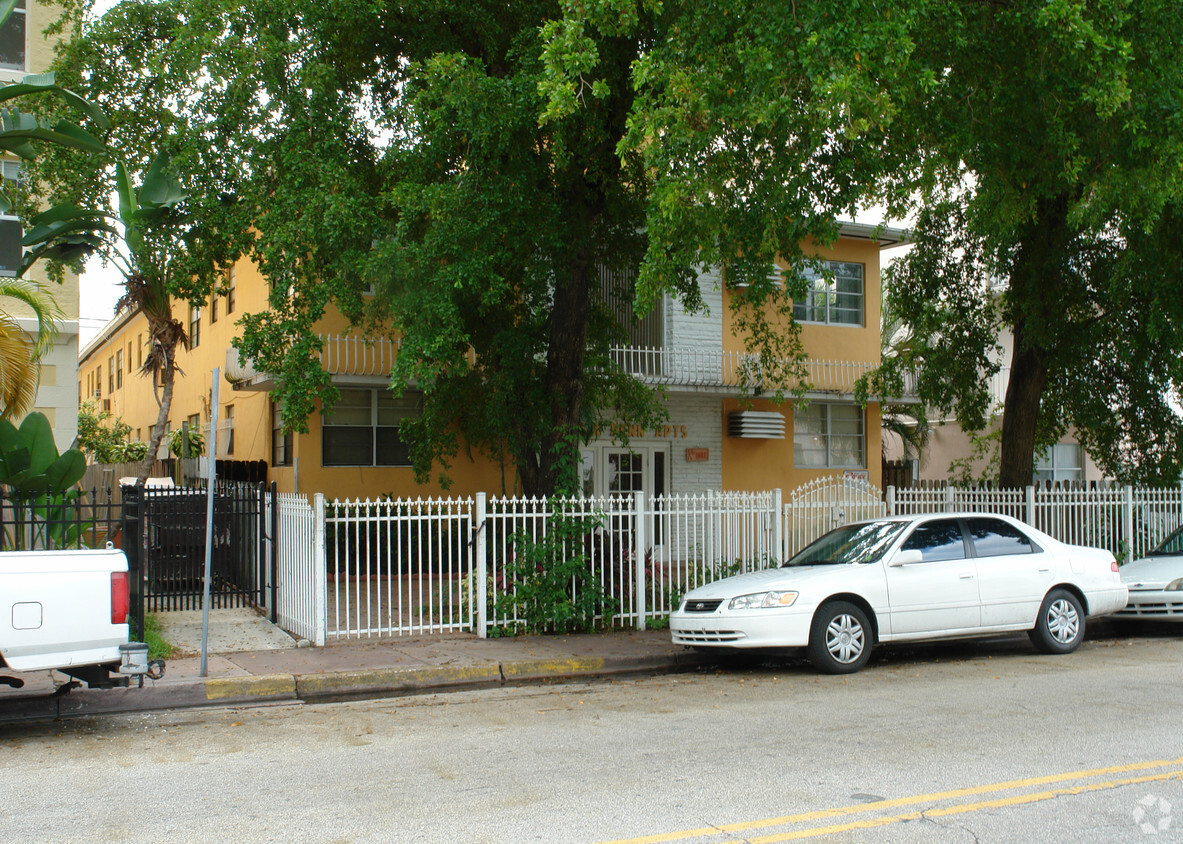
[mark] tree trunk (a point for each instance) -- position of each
(167, 379)
(1028, 378)
(1033, 310)
(564, 381)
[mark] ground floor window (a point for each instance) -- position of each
(829, 436)
(363, 428)
(281, 440)
(1062, 463)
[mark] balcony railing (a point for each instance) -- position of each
(709, 370)
(340, 354)
(726, 371)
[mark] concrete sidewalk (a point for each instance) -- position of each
(280, 671)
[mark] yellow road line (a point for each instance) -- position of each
(879, 805)
(1016, 800)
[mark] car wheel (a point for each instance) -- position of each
(839, 639)
(1059, 629)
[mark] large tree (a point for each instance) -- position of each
(1037, 143)
(1049, 176)
(479, 165)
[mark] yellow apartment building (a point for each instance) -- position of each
(712, 441)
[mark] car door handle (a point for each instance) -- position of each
(967, 577)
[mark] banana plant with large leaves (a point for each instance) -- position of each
(40, 486)
(134, 238)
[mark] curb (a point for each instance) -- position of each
(382, 682)
(329, 686)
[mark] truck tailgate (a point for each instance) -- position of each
(55, 608)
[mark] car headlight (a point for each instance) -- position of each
(1175, 585)
(762, 599)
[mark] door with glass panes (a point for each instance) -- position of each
(622, 472)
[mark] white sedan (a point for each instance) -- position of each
(906, 579)
(1156, 583)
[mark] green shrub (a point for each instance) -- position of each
(551, 586)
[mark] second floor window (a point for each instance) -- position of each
(194, 327)
(829, 436)
(11, 250)
(119, 368)
(228, 429)
(833, 297)
(12, 39)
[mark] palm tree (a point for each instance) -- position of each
(20, 352)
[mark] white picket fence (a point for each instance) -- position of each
(351, 569)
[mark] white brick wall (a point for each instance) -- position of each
(703, 330)
(703, 418)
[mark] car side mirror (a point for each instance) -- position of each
(907, 558)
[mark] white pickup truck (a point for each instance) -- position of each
(68, 610)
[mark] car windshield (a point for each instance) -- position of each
(861, 543)
(1172, 546)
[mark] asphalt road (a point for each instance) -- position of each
(960, 742)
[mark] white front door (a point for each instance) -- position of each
(622, 472)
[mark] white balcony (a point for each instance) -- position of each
(349, 357)
(343, 356)
(724, 372)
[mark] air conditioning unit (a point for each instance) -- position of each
(756, 424)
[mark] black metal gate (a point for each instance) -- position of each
(171, 544)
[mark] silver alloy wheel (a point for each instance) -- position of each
(1063, 622)
(845, 638)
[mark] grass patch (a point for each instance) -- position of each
(158, 646)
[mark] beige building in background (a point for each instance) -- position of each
(23, 49)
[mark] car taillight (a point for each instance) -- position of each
(1113, 566)
(119, 599)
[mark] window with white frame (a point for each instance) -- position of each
(228, 429)
(829, 436)
(11, 250)
(194, 326)
(363, 428)
(12, 38)
(1062, 463)
(834, 295)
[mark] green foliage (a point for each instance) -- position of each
(104, 437)
(1048, 146)
(551, 587)
(158, 646)
(475, 165)
(176, 443)
(40, 485)
(980, 465)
